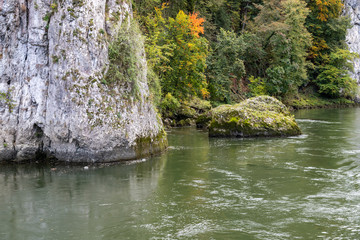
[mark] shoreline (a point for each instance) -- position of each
(316, 102)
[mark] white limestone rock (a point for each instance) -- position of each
(52, 59)
(352, 9)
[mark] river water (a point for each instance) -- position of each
(305, 187)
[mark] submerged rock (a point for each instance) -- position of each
(260, 116)
(54, 98)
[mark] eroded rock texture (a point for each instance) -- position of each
(352, 9)
(53, 55)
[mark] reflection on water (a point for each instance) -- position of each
(303, 187)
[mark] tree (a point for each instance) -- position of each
(143, 7)
(334, 79)
(178, 53)
(328, 28)
(329, 54)
(225, 66)
(285, 40)
(188, 61)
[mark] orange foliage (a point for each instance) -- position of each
(196, 24)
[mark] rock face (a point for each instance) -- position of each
(53, 100)
(255, 117)
(352, 9)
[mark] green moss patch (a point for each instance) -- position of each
(260, 116)
(148, 146)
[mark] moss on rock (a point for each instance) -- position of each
(148, 146)
(203, 120)
(260, 116)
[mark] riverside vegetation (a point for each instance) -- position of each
(208, 53)
(79, 90)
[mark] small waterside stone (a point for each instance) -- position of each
(256, 117)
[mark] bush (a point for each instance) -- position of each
(334, 79)
(257, 86)
(169, 106)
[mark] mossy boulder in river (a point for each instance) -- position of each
(259, 116)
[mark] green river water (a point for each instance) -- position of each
(305, 187)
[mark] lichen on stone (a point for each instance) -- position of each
(260, 116)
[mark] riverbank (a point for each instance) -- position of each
(303, 101)
(197, 113)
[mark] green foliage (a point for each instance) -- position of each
(278, 47)
(277, 82)
(5, 98)
(177, 53)
(257, 86)
(188, 61)
(227, 14)
(169, 106)
(47, 17)
(334, 79)
(158, 49)
(154, 86)
(225, 66)
(306, 101)
(284, 42)
(143, 7)
(328, 28)
(55, 58)
(124, 58)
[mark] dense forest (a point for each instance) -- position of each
(224, 51)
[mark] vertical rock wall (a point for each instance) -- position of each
(53, 55)
(352, 9)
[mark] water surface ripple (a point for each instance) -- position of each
(305, 187)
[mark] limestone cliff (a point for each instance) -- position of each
(53, 97)
(352, 9)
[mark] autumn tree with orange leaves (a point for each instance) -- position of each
(178, 53)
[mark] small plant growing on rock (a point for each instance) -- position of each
(124, 57)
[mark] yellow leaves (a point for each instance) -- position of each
(327, 9)
(205, 93)
(160, 10)
(318, 46)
